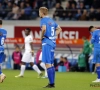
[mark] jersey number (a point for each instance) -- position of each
(52, 31)
(2, 41)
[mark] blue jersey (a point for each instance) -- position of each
(95, 40)
(50, 34)
(3, 34)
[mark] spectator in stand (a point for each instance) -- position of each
(67, 6)
(8, 7)
(67, 11)
(30, 2)
(22, 15)
(88, 3)
(2, 12)
(92, 14)
(81, 6)
(16, 56)
(58, 12)
(84, 16)
(1, 1)
(13, 15)
(15, 11)
(78, 14)
(73, 11)
(28, 10)
(39, 4)
(96, 4)
(49, 3)
(16, 1)
(22, 5)
(72, 2)
(98, 14)
(58, 1)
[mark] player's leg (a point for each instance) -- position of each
(52, 61)
(87, 59)
(25, 59)
(2, 76)
(35, 67)
(93, 68)
(23, 66)
(97, 58)
(98, 72)
(22, 69)
(42, 64)
(47, 59)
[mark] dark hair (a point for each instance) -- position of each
(65, 58)
(61, 56)
(15, 4)
(90, 28)
(28, 29)
(0, 22)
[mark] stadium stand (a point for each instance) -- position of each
(81, 10)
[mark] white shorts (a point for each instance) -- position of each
(40, 57)
(27, 57)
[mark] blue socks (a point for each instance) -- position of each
(0, 70)
(53, 69)
(98, 72)
(51, 75)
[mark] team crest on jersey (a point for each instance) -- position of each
(49, 23)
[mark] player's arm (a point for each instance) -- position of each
(43, 31)
(93, 38)
(58, 30)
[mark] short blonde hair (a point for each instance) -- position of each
(44, 10)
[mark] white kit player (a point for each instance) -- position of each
(43, 65)
(28, 56)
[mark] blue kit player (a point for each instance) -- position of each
(50, 29)
(95, 40)
(3, 34)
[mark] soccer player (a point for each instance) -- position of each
(3, 34)
(28, 56)
(95, 40)
(50, 29)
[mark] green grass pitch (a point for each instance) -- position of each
(64, 81)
